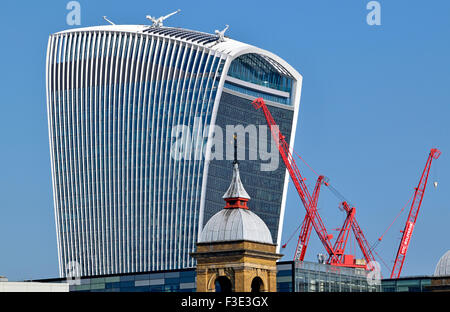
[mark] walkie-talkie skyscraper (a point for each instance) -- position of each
(114, 95)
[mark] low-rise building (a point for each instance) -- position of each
(6, 286)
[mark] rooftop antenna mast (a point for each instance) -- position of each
(106, 19)
(158, 22)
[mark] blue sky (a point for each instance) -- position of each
(375, 99)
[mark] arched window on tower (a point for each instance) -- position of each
(257, 284)
(223, 284)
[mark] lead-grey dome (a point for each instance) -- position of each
(443, 266)
(235, 225)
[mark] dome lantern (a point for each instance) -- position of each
(236, 196)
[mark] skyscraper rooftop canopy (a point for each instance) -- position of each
(270, 62)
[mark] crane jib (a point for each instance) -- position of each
(412, 216)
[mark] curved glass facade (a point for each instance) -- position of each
(257, 69)
(123, 204)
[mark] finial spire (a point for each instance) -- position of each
(236, 195)
(235, 161)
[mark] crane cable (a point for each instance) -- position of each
(292, 235)
(330, 187)
(375, 245)
(387, 267)
(434, 173)
(305, 163)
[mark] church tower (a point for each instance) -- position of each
(235, 251)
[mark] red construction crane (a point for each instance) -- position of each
(336, 252)
(297, 178)
(412, 217)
